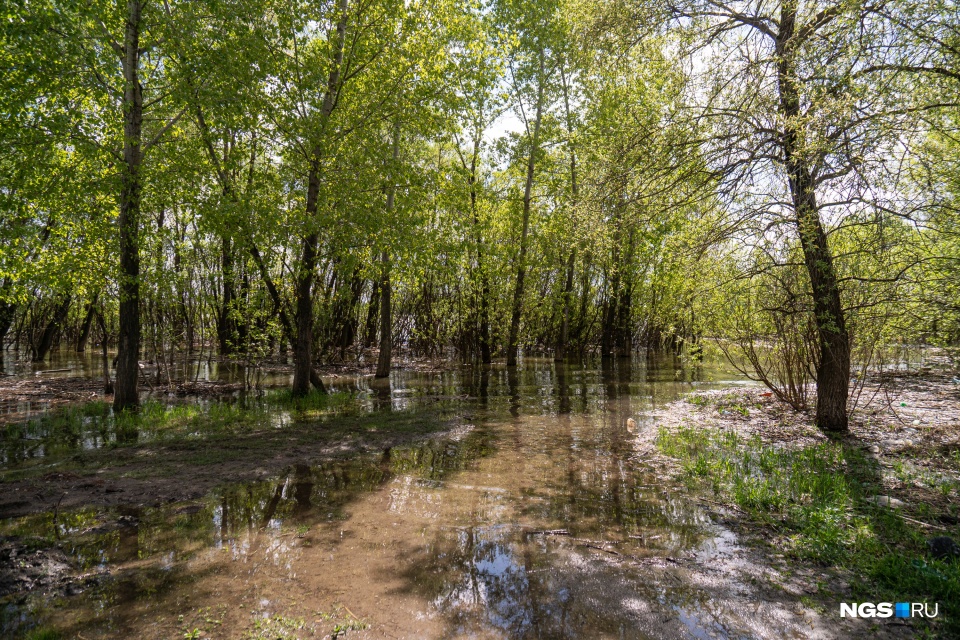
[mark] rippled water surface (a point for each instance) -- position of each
(536, 516)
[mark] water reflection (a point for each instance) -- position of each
(533, 518)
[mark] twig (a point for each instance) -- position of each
(355, 616)
(549, 532)
(926, 524)
(38, 373)
(721, 504)
(599, 548)
(890, 406)
(588, 541)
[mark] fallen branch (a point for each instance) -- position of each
(599, 548)
(926, 524)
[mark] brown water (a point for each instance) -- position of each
(539, 516)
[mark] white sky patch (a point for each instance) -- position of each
(507, 123)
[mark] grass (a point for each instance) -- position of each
(232, 436)
(67, 431)
(812, 501)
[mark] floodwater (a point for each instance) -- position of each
(538, 516)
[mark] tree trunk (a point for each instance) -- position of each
(86, 324)
(386, 320)
(483, 306)
(561, 350)
(373, 313)
(51, 330)
(514, 336)
(128, 348)
(833, 368)
(303, 349)
(7, 312)
(107, 385)
(226, 322)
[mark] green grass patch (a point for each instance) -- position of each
(95, 425)
(813, 499)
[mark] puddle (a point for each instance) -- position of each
(537, 516)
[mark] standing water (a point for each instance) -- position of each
(538, 515)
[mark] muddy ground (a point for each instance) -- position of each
(155, 473)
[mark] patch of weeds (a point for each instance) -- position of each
(278, 628)
(812, 604)
(814, 499)
(43, 634)
(341, 629)
(312, 405)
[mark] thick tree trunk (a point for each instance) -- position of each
(51, 330)
(833, 369)
(128, 351)
(86, 324)
(517, 308)
(303, 347)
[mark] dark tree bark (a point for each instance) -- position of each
(52, 329)
(303, 349)
(303, 345)
(833, 368)
(86, 324)
(386, 319)
(128, 349)
(517, 308)
(373, 313)
(107, 384)
(226, 321)
(7, 312)
(484, 301)
(563, 338)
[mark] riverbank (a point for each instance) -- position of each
(868, 516)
